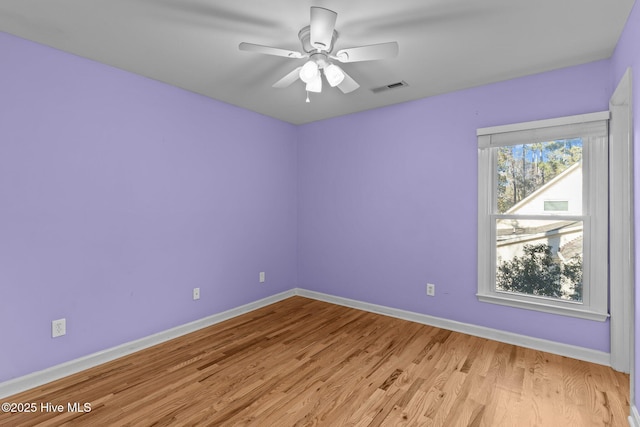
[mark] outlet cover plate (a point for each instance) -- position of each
(58, 328)
(431, 289)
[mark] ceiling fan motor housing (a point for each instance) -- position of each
(320, 59)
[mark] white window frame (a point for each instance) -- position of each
(593, 128)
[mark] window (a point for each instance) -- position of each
(543, 215)
(556, 205)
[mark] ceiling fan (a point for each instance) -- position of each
(318, 39)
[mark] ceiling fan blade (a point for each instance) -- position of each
(323, 21)
(348, 84)
(288, 79)
(268, 50)
(368, 53)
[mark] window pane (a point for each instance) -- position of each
(556, 205)
(529, 174)
(540, 257)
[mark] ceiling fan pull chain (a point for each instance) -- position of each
(307, 97)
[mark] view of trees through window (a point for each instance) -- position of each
(534, 255)
(522, 169)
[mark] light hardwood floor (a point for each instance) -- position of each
(302, 362)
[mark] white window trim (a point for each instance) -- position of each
(595, 212)
(621, 229)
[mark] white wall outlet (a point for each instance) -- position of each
(58, 328)
(431, 289)
(262, 277)
(196, 293)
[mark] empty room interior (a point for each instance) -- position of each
(319, 213)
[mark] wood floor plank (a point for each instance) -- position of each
(302, 362)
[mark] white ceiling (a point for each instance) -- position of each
(445, 45)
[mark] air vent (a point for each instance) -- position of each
(390, 86)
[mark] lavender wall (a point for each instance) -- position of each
(119, 195)
(388, 200)
(627, 54)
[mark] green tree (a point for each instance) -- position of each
(572, 272)
(536, 272)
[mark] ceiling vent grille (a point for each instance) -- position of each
(396, 85)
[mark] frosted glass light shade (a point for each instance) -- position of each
(334, 75)
(309, 71)
(315, 85)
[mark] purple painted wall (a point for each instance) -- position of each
(627, 54)
(388, 200)
(118, 195)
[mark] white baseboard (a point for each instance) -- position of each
(567, 350)
(634, 417)
(53, 373)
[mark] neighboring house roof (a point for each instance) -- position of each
(529, 231)
(544, 188)
(546, 229)
(571, 248)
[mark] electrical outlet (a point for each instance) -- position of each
(431, 289)
(58, 328)
(196, 293)
(262, 277)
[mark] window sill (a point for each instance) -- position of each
(541, 305)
